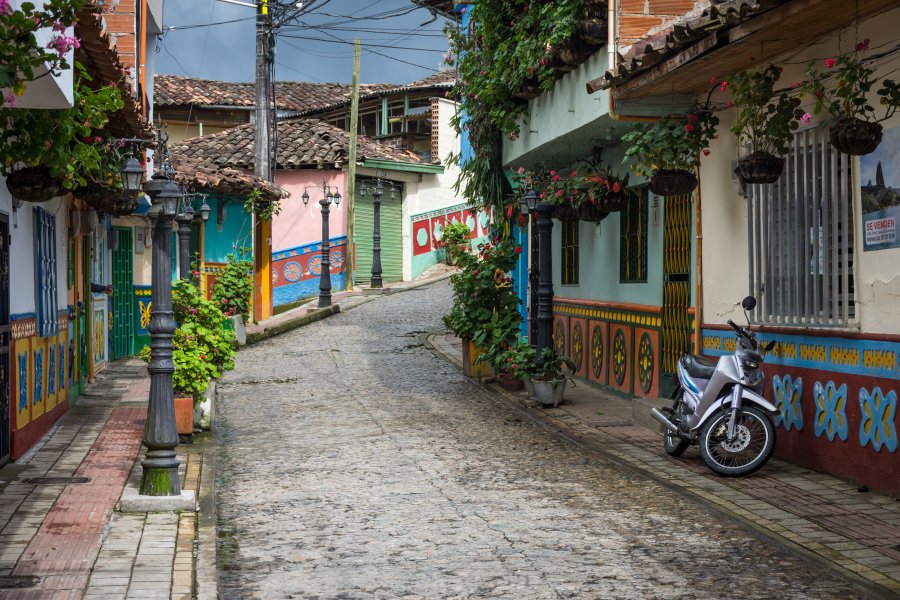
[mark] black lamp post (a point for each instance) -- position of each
(184, 219)
(377, 192)
(529, 205)
(325, 276)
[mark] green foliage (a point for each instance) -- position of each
(20, 54)
(234, 286)
(264, 209)
(852, 79)
(485, 307)
(517, 359)
(766, 121)
(554, 366)
(585, 183)
(670, 143)
(71, 143)
(509, 46)
(456, 232)
(202, 344)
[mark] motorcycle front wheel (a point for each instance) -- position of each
(753, 444)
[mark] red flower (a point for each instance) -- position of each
(689, 128)
(518, 249)
(509, 211)
(863, 45)
(475, 272)
(820, 92)
(617, 187)
(829, 63)
(692, 118)
(724, 85)
(706, 152)
(712, 81)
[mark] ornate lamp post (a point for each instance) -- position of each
(529, 205)
(377, 190)
(184, 219)
(325, 276)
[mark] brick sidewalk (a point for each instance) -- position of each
(818, 515)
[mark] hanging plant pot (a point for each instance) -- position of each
(672, 182)
(760, 167)
(33, 184)
(99, 198)
(613, 202)
(122, 207)
(593, 213)
(592, 31)
(855, 136)
(566, 212)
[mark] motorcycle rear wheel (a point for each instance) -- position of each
(672, 443)
(750, 450)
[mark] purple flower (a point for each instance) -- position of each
(10, 97)
(4, 7)
(806, 118)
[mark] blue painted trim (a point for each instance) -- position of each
(307, 248)
(872, 358)
(22, 316)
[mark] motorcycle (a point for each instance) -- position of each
(719, 405)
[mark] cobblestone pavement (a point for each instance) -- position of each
(353, 463)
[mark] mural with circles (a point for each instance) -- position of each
(427, 229)
(296, 271)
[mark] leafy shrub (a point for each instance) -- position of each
(232, 289)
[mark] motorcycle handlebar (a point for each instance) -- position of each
(735, 326)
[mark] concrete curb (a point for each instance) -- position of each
(132, 501)
(310, 317)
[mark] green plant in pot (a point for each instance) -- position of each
(669, 149)
(456, 237)
(765, 123)
(515, 364)
(842, 89)
(233, 287)
(548, 384)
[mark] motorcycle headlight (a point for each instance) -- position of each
(751, 364)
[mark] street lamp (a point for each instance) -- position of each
(377, 189)
(545, 273)
(160, 466)
(184, 219)
(132, 176)
(325, 275)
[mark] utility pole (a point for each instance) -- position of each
(351, 171)
(262, 160)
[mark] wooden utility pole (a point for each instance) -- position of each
(262, 161)
(351, 170)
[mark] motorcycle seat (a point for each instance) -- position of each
(699, 367)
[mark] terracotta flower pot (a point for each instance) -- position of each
(760, 167)
(184, 415)
(855, 136)
(510, 382)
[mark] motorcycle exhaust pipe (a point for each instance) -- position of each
(656, 414)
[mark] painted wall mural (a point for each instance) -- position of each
(296, 271)
(427, 229)
(852, 401)
(143, 299)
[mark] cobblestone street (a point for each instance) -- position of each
(354, 463)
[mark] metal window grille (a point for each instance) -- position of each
(45, 282)
(801, 237)
(570, 252)
(633, 240)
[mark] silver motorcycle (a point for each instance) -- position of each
(720, 406)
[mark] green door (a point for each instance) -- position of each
(391, 240)
(123, 295)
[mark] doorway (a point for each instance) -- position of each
(4, 339)
(676, 317)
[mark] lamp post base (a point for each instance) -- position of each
(160, 474)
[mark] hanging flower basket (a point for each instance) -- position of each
(566, 212)
(855, 136)
(760, 167)
(672, 182)
(33, 184)
(124, 206)
(99, 198)
(593, 213)
(613, 202)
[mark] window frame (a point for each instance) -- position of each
(45, 281)
(633, 237)
(570, 265)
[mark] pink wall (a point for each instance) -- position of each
(297, 224)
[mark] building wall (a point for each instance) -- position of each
(836, 388)
(639, 17)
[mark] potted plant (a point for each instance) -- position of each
(669, 149)
(43, 152)
(548, 384)
(765, 123)
(515, 365)
(483, 298)
(855, 128)
(604, 192)
(234, 285)
(456, 237)
(202, 349)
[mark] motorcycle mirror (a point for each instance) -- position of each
(748, 303)
(770, 345)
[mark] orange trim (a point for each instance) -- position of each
(646, 308)
(143, 57)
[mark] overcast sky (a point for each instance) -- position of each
(226, 51)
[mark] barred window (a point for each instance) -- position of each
(801, 237)
(633, 240)
(569, 252)
(45, 271)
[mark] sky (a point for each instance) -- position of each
(192, 48)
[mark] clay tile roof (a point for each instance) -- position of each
(202, 174)
(99, 56)
(442, 7)
(442, 80)
(302, 143)
(719, 16)
(173, 90)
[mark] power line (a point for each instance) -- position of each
(338, 41)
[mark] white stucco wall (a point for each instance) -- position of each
(724, 212)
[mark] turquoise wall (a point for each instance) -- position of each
(236, 229)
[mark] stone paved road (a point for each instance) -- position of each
(356, 464)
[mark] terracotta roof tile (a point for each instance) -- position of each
(173, 90)
(202, 174)
(302, 143)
